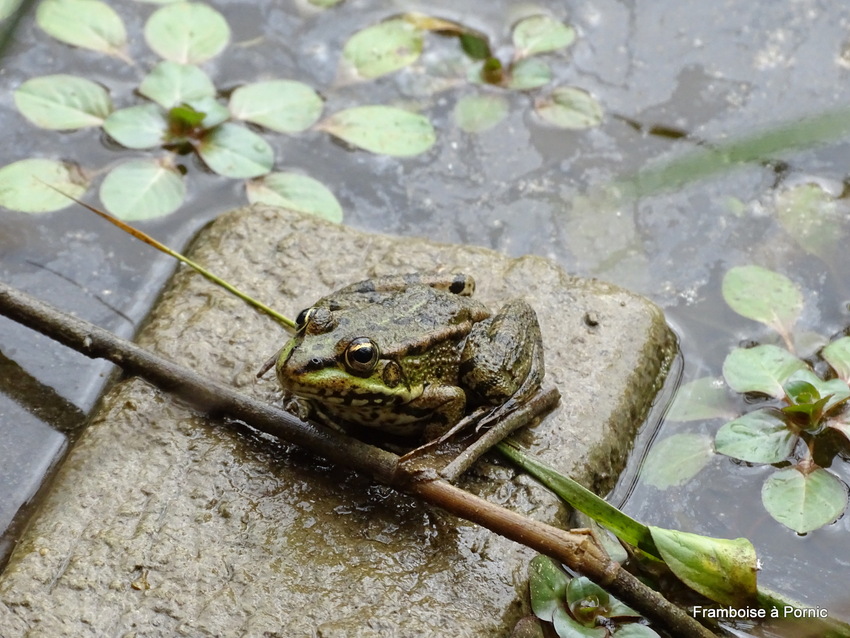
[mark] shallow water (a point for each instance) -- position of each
(715, 71)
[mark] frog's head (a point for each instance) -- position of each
(330, 361)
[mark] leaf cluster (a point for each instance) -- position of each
(798, 418)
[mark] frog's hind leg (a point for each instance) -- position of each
(502, 360)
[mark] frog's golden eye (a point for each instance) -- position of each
(361, 355)
(303, 317)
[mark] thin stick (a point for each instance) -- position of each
(287, 323)
(578, 551)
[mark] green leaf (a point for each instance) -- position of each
(547, 584)
(756, 437)
(566, 627)
(763, 295)
(539, 34)
(170, 84)
(763, 369)
(296, 192)
(142, 189)
(214, 112)
(700, 399)
(382, 129)
(478, 113)
(280, 105)
(812, 218)
(22, 185)
(721, 569)
(9, 7)
(234, 151)
(837, 355)
(528, 74)
(804, 502)
(586, 600)
(324, 4)
(570, 108)
(676, 460)
(828, 393)
(383, 48)
(475, 45)
(63, 102)
(187, 32)
(89, 24)
(143, 126)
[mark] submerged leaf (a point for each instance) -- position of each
(89, 24)
(280, 105)
(234, 151)
(703, 398)
(804, 502)
(296, 192)
(382, 129)
(763, 369)
(541, 33)
(723, 570)
(570, 108)
(170, 84)
(528, 74)
(760, 436)
(384, 47)
(478, 113)
(676, 460)
(763, 295)
(142, 189)
(25, 185)
(63, 102)
(142, 126)
(813, 218)
(187, 32)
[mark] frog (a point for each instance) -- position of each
(414, 356)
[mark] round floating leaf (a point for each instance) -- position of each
(570, 108)
(539, 34)
(763, 295)
(756, 437)
(763, 369)
(547, 585)
(89, 24)
(813, 218)
(837, 354)
(721, 569)
(382, 129)
(700, 399)
(234, 151)
(280, 105)
(8, 7)
(804, 502)
(477, 113)
(23, 185)
(142, 189)
(63, 102)
(170, 84)
(187, 32)
(296, 192)
(383, 48)
(143, 126)
(676, 460)
(527, 74)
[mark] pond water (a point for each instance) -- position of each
(715, 72)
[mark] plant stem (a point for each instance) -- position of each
(578, 551)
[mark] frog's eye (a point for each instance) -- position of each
(361, 355)
(303, 317)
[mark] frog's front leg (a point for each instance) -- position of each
(502, 360)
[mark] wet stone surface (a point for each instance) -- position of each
(164, 523)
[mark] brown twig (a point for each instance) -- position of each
(578, 551)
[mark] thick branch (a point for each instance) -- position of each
(578, 551)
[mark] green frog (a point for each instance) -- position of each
(411, 355)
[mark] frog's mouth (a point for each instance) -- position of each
(339, 388)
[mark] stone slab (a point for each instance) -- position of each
(164, 523)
